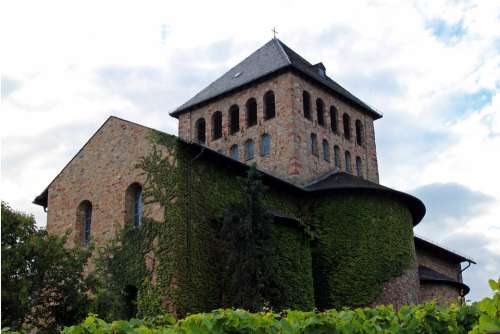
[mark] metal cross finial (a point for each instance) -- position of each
(274, 32)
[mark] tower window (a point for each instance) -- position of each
(265, 144)
(306, 100)
(84, 222)
(200, 131)
(347, 161)
(347, 126)
(359, 132)
(336, 156)
(269, 105)
(326, 150)
(359, 167)
(334, 119)
(251, 112)
(234, 119)
(313, 144)
(235, 154)
(249, 146)
(217, 125)
(320, 111)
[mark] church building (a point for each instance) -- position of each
(313, 143)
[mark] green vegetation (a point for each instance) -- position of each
(42, 282)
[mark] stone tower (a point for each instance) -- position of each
(284, 114)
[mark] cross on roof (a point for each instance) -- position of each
(274, 32)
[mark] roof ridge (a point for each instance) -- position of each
(282, 50)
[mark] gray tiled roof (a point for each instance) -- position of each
(270, 58)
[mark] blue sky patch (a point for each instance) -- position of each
(446, 33)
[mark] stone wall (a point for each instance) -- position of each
(438, 292)
(100, 173)
(401, 290)
(439, 264)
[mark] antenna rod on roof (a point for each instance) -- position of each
(274, 32)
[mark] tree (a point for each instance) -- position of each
(246, 232)
(43, 285)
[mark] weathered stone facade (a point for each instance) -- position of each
(440, 293)
(100, 173)
(290, 157)
(439, 264)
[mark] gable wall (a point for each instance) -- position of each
(101, 173)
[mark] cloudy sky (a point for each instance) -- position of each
(431, 67)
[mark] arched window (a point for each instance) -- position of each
(326, 150)
(251, 112)
(200, 130)
(269, 105)
(133, 205)
(334, 119)
(234, 119)
(347, 161)
(306, 101)
(265, 144)
(347, 126)
(359, 132)
(235, 154)
(249, 146)
(320, 111)
(217, 125)
(336, 156)
(84, 222)
(359, 167)
(313, 144)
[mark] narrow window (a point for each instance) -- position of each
(326, 150)
(336, 156)
(359, 132)
(265, 144)
(333, 119)
(359, 167)
(251, 112)
(133, 205)
(306, 100)
(235, 154)
(313, 144)
(347, 126)
(269, 105)
(347, 161)
(320, 111)
(200, 130)
(137, 207)
(84, 222)
(217, 125)
(249, 149)
(234, 119)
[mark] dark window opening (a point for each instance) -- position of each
(251, 112)
(359, 167)
(235, 154)
(359, 132)
(134, 205)
(249, 149)
(306, 100)
(234, 119)
(347, 126)
(200, 131)
(320, 111)
(347, 161)
(84, 222)
(269, 105)
(334, 119)
(336, 156)
(265, 144)
(130, 296)
(313, 144)
(217, 125)
(326, 150)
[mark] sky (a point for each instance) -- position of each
(431, 67)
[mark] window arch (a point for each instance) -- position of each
(306, 102)
(134, 205)
(84, 222)
(336, 156)
(320, 111)
(334, 119)
(265, 144)
(269, 105)
(313, 144)
(359, 132)
(346, 120)
(235, 154)
(200, 130)
(217, 125)
(326, 150)
(347, 161)
(249, 148)
(359, 167)
(251, 114)
(234, 119)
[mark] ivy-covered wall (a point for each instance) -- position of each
(363, 240)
